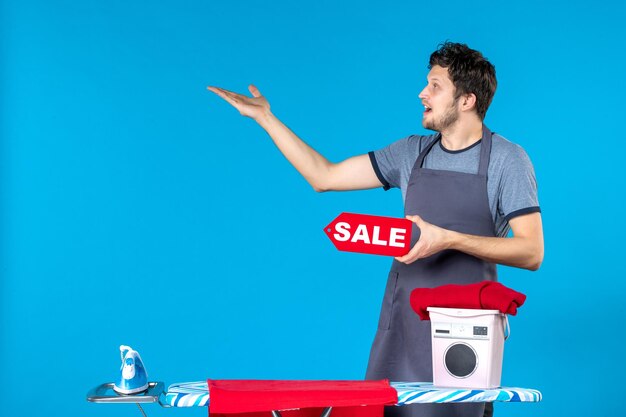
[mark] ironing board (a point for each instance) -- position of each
(195, 394)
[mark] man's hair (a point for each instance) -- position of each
(470, 73)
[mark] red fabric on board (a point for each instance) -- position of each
(260, 396)
(358, 411)
(487, 295)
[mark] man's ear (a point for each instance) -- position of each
(468, 101)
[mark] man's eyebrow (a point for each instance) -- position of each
(433, 79)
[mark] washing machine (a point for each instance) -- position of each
(467, 346)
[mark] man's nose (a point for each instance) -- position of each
(422, 94)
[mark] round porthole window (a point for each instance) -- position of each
(460, 360)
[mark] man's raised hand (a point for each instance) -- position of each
(254, 107)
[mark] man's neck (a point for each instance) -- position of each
(462, 135)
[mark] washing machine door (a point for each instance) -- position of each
(460, 360)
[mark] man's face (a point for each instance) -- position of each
(440, 108)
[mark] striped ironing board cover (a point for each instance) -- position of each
(195, 394)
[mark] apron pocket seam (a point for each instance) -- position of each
(389, 301)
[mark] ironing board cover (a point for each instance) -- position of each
(195, 394)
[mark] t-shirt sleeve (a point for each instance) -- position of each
(389, 161)
(518, 189)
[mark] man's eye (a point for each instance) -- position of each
(435, 86)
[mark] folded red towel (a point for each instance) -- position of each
(486, 295)
(253, 396)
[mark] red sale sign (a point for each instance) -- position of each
(376, 235)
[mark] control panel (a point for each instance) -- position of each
(460, 331)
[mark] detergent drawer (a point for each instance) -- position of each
(467, 347)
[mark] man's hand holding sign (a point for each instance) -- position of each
(432, 239)
(390, 236)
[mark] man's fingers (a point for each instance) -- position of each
(233, 96)
(229, 96)
(415, 219)
(220, 92)
(254, 91)
(411, 256)
(223, 90)
(406, 259)
(246, 105)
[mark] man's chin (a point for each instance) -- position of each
(429, 125)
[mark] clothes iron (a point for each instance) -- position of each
(133, 376)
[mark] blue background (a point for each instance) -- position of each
(138, 208)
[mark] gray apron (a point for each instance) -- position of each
(402, 349)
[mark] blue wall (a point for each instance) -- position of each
(138, 208)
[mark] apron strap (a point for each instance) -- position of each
(485, 152)
(420, 159)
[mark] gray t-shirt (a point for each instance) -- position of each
(511, 183)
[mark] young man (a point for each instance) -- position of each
(464, 188)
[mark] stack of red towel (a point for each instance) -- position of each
(486, 295)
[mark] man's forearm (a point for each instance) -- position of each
(309, 163)
(521, 252)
